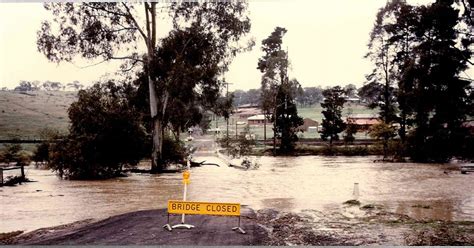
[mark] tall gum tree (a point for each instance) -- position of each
(274, 66)
(118, 30)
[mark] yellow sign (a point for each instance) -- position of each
(206, 208)
(186, 176)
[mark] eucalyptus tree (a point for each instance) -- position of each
(286, 115)
(274, 66)
(442, 54)
(121, 31)
(402, 33)
(382, 53)
(429, 47)
(332, 114)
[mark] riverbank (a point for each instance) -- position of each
(355, 225)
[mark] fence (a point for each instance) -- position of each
(9, 168)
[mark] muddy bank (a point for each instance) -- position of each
(361, 225)
(354, 225)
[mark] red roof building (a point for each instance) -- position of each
(363, 121)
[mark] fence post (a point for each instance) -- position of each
(1, 176)
(22, 172)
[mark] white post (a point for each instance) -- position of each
(184, 199)
(355, 192)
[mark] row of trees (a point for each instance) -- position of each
(419, 53)
(47, 86)
(304, 96)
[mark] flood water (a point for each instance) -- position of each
(287, 184)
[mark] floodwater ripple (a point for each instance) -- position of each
(296, 184)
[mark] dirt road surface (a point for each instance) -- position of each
(146, 228)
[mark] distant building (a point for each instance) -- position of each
(308, 125)
(363, 121)
(249, 105)
(355, 99)
(246, 112)
(257, 120)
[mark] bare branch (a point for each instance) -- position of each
(87, 66)
(135, 61)
(123, 29)
(131, 67)
(135, 22)
(147, 8)
(153, 24)
(127, 57)
(105, 10)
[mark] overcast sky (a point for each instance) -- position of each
(326, 41)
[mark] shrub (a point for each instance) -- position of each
(14, 153)
(174, 151)
(105, 134)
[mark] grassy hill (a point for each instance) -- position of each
(24, 115)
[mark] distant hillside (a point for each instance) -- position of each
(24, 114)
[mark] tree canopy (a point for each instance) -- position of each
(111, 31)
(332, 112)
(286, 115)
(423, 50)
(105, 134)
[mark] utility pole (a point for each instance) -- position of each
(227, 119)
(264, 129)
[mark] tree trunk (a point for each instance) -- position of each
(156, 163)
(402, 131)
(274, 131)
(157, 127)
(264, 129)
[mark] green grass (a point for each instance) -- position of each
(25, 115)
(313, 112)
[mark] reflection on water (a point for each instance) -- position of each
(288, 184)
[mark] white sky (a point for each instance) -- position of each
(326, 41)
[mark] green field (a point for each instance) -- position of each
(25, 115)
(313, 112)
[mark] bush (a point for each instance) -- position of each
(41, 153)
(339, 150)
(174, 151)
(14, 153)
(49, 136)
(105, 135)
(242, 146)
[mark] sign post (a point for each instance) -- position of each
(186, 181)
(205, 208)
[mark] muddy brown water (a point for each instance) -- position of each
(294, 184)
